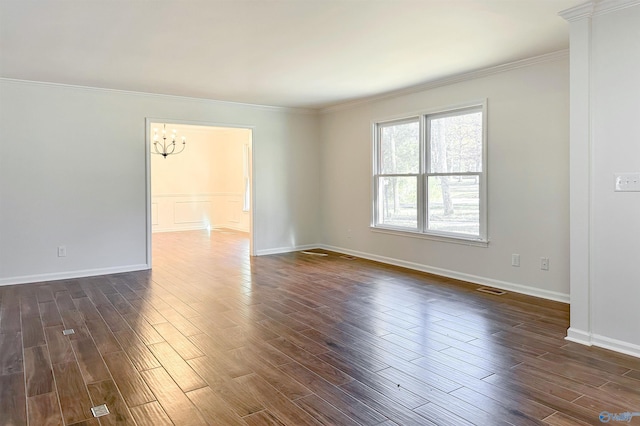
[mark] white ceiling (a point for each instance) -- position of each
(297, 53)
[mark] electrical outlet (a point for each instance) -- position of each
(544, 263)
(515, 259)
(62, 251)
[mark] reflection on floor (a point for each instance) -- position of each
(212, 336)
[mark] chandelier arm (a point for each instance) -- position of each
(184, 145)
(159, 151)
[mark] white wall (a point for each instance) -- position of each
(203, 186)
(528, 147)
(72, 172)
(605, 112)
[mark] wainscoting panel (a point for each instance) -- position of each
(192, 211)
(184, 212)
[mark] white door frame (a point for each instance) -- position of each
(147, 138)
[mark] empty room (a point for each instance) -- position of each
(322, 212)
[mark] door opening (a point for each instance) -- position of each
(208, 186)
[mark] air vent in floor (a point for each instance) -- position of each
(100, 410)
(493, 291)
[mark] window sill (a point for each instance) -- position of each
(445, 239)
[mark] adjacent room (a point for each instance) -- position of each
(208, 186)
(319, 212)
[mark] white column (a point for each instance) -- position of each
(580, 148)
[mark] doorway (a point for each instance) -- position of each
(208, 186)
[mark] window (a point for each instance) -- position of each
(429, 174)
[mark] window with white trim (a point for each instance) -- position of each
(430, 174)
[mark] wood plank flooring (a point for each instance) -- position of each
(211, 336)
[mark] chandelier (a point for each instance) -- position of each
(163, 147)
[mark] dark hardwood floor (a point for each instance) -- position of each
(213, 337)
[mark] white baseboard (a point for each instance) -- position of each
(615, 345)
(231, 227)
(578, 336)
(503, 285)
(590, 339)
(180, 228)
(71, 274)
(280, 250)
(199, 227)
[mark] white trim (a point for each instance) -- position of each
(581, 181)
(149, 197)
(232, 228)
(433, 110)
(615, 345)
(431, 236)
(198, 195)
(606, 6)
(147, 188)
(578, 12)
(39, 278)
(458, 78)
(198, 123)
(595, 8)
(298, 110)
(290, 249)
(474, 279)
(578, 336)
(589, 339)
(423, 117)
(478, 73)
(186, 227)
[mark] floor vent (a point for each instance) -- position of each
(100, 410)
(314, 253)
(493, 291)
(68, 331)
(348, 257)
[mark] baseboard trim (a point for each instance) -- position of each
(231, 227)
(578, 336)
(590, 339)
(281, 250)
(200, 228)
(503, 285)
(71, 274)
(180, 228)
(615, 345)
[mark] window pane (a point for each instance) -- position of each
(398, 201)
(400, 148)
(454, 204)
(456, 143)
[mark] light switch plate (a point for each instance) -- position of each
(627, 182)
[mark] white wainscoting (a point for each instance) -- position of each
(184, 212)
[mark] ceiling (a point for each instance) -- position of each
(294, 53)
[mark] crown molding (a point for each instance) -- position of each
(458, 78)
(581, 11)
(595, 8)
(484, 72)
(296, 110)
